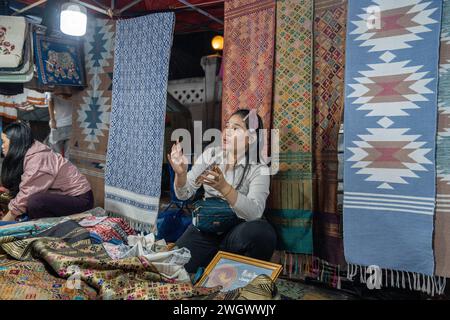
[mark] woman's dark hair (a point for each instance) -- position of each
(254, 148)
(20, 140)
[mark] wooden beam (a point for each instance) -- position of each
(31, 6)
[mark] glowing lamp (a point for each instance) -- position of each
(217, 43)
(73, 19)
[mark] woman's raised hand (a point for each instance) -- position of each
(177, 159)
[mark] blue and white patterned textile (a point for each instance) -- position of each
(390, 134)
(135, 146)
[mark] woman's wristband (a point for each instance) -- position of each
(225, 195)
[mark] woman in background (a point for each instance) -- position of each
(41, 182)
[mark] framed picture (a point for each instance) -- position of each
(232, 271)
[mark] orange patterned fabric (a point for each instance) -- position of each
(248, 57)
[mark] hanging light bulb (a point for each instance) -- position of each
(217, 43)
(73, 19)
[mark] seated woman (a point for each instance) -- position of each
(42, 182)
(243, 184)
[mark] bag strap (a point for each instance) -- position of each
(243, 176)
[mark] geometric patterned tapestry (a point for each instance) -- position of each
(248, 57)
(291, 188)
(390, 118)
(329, 61)
(135, 146)
(90, 117)
(442, 227)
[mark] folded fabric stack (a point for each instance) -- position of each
(28, 100)
(107, 229)
(16, 50)
(25, 229)
(169, 263)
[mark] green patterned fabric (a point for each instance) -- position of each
(291, 188)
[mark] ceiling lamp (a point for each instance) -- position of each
(217, 43)
(73, 19)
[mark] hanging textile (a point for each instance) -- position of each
(391, 111)
(442, 223)
(329, 61)
(16, 56)
(92, 107)
(26, 58)
(135, 147)
(291, 188)
(58, 61)
(8, 106)
(13, 33)
(248, 57)
(28, 100)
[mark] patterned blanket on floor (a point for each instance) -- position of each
(85, 271)
(32, 281)
(391, 112)
(81, 263)
(135, 146)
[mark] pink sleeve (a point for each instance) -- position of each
(35, 179)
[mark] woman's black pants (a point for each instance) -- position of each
(256, 239)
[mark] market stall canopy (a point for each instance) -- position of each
(191, 15)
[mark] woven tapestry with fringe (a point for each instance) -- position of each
(329, 61)
(135, 146)
(390, 137)
(248, 57)
(442, 222)
(291, 188)
(90, 120)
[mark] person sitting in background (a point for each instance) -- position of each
(41, 182)
(241, 183)
(60, 112)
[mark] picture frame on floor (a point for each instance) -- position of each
(233, 271)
